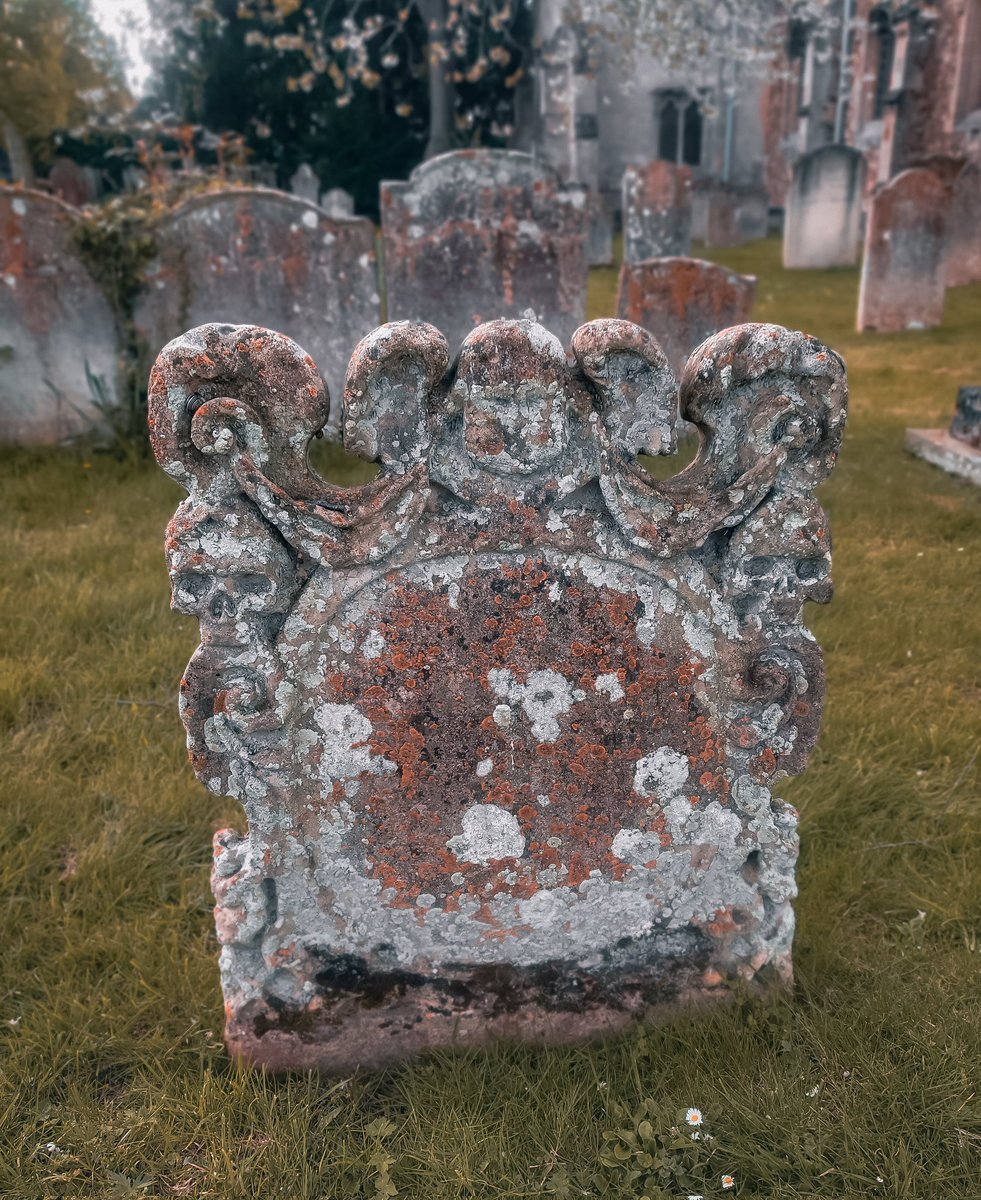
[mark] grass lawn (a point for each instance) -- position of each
(113, 1079)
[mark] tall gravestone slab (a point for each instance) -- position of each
(963, 253)
(657, 211)
(682, 301)
(480, 234)
(902, 284)
(304, 183)
(824, 208)
(506, 721)
(55, 324)
(265, 256)
(600, 241)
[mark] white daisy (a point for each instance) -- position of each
(728, 1182)
(694, 1116)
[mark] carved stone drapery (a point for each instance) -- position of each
(504, 720)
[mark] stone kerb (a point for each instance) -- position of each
(506, 721)
(902, 285)
(480, 234)
(657, 211)
(55, 324)
(824, 209)
(268, 257)
(963, 255)
(682, 301)
(957, 450)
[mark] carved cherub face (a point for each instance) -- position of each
(779, 558)
(233, 574)
(511, 379)
(386, 423)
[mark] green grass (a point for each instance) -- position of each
(114, 1082)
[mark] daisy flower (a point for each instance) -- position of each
(728, 1182)
(694, 1116)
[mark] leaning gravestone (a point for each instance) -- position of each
(824, 208)
(963, 254)
(682, 301)
(57, 331)
(479, 234)
(958, 450)
(505, 721)
(902, 283)
(227, 256)
(656, 211)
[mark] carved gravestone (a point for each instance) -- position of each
(824, 208)
(506, 720)
(480, 234)
(656, 211)
(957, 450)
(682, 301)
(963, 252)
(260, 255)
(902, 284)
(59, 344)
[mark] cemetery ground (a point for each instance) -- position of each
(863, 1082)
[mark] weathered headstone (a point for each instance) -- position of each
(73, 183)
(902, 283)
(958, 450)
(336, 202)
(732, 214)
(265, 255)
(304, 184)
(480, 234)
(656, 211)
(682, 301)
(55, 325)
(824, 208)
(963, 254)
(505, 721)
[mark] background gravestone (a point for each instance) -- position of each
(54, 323)
(902, 283)
(304, 184)
(957, 450)
(267, 256)
(732, 214)
(75, 184)
(824, 208)
(506, 720)
(600, 245)
(336, 202)
(479, 234)
(682, 301)
(657, 204)
(963, 260)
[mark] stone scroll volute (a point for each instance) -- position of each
(505, 721)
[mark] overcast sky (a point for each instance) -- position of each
(128, 21)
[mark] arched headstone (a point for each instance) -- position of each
(682, 301)
(270, 258)
(824, 208)
(57, 331)
(480, 234)
(902, 283)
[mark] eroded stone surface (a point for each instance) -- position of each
(656, 211)
(824, 208)
(479, 234)
(682, 301)
(55, 324)
(505, 721)
(902, 283)
(264, 256)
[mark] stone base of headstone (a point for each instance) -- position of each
(953, 455)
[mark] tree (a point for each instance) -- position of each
(56, 70)
(473, 52)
